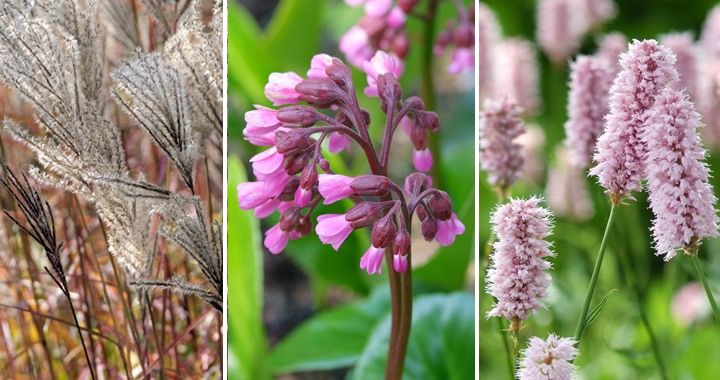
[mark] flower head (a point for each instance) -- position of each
(516, 74)
(683, 46)
(560, 26)
(355, 44)
(261, 121)
(447, 229)
(516, 276)
(548, 359)
(500, 156)
(647, 68)
(318, 64)
(334, 187)
(681, 197)
(488, 35)
(281, 88)
(462, 60)
(381, 63)
(422, 160)
(333, 229)
(372, 260)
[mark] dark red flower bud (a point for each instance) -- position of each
(401, 45)
(444, 38)
(389, 91)
(419, 137)
(371, 185)
(339, 72)
(296, 163)
(320, 91)
(464, 36)
(383, 232)
(401, 243)
(309, 177)
(417, 183)
(429, 228)
(428, 119)
(364, 214)
(305, 227)
(407, 5)
(293, 142)
(298, 116)
(414, 103)
(421, 212)
(290, 218)
(373, 26)
(324, 164)
(288, 192)
(441, 205)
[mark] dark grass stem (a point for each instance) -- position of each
(157, 340)
(593, 279)
(703, 279)
(508, 352)
(82, 341)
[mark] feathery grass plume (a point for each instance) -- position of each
(157, 9)
(195, 50)
(590, 81)
(488, 35)
(560, 27)
(683, 46)
(710, 34)
(620, 155)
(598, 11)
(120, 15)
(681, 197)
(566, 190)
(517, 74)
(500, 156)
(610, 46)
(156, 96)
(516, 276)
(548, 359)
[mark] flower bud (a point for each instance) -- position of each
(298, 116)
(415, 103)
(345, 120)
(295, 164)
(401, 243)
(441, 205)
(429, 228)
(292, 142)
(339, 72)
(401, 45)
(371, 185)
(444, 38)
(383, 232)
(373, 26)
(464, 35)
(363, 214)
(320, 91)
(421, 212)
(288, 192)
(309, 177)
(324, 164)
(389, 91)
(416, 183)
(428, 119)
(305, 227)
(419, 137)
(290, 218)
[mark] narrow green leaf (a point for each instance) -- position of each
(596, 311)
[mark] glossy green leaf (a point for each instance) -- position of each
(246, 336)
(336, 337)
(596, 311)
(441, 344)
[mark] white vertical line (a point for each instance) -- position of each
(225, 190)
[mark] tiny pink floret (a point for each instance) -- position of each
(372, 260)
(281, 88)
(448, 229)
(333, 229)
(381, 63)
(422, 160)
(334, 187)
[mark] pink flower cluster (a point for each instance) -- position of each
(590, 81)
(461, 35)
(488, 36)
(500, 156)
(548, 359)
(382, 28)
(288, 178)
(516, 276)
(647, 68)
(683, 46)
(680, 196)
(517, 74)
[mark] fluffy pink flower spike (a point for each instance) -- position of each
(548, 359)
(681, 197)
(516, 276)
(500, 156)
(647, 69)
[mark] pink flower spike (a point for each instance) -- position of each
(516, 74)
(396, 18)
(423, 160)
(500, 156)
(686, 63)
(355, 44)
(334, 187)
(333, 229)
(400, 263)
(338, 141)
(276, 239)
(267, 162)
(548, 359)
(447, 229)
(266, 209)
(302, 197)
(377, 8)
(381, 63)
(372, 260)
(462, 61)
(261, 121)
(251, 195)
(559, 29)
(647, 68)
(318, 64)
(681, 197)
(281, 88)
(516, 276)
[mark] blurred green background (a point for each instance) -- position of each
(616, 345)
(310, 312)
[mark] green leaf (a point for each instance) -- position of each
(596, 311)
(331, 339)
(441, 344)
(246, 336)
